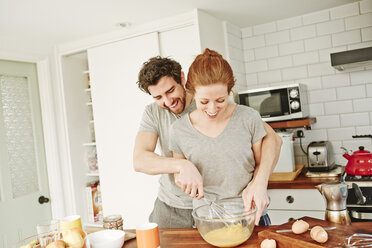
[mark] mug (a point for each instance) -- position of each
(147, 236)
(70, 222)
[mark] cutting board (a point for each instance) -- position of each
(336, 237)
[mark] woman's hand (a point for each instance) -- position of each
(255, 195)
(190, 180)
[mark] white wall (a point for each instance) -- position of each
(297, 50)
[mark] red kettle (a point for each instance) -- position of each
(359, 163)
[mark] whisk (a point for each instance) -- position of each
(358, 240)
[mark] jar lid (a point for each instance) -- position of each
(111, 218)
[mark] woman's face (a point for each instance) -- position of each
(212, 100)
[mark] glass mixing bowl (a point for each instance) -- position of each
(227, 227)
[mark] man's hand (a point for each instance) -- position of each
(255, 195)
(190, 180)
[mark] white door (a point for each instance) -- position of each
(118, 105)
(23, 172)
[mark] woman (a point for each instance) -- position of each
(223, 140)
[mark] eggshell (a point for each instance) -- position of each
(268, 243)
(318, 234)
(300, 226)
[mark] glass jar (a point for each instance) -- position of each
(113, 222)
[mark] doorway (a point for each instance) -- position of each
(23, 170)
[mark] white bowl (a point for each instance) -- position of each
(106, 239)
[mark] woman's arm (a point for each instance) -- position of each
(189, 178)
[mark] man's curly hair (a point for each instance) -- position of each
(156, 68)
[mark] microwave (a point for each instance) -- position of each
(277, 103)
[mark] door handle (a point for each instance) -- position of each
(43, 199)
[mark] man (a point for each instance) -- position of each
(163, 79)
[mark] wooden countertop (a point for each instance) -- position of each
(190, 237)
(301, 182)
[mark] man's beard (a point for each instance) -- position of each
(181, 100)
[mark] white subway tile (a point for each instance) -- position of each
(352, 92)
(234, 65)
(325, 55)
(253, 42)
(339, 160)
(359, 45)
(361, 21)
(361, 105)
(346, 38)
(233, 29)
(318, 43)
(289, 23)
(306, 58)
(336, 147)
(361, 77)
(338, 107)
(312, 135)
(330, 27)
(315, 17)
(369, 90)
(240, 78)
(346, 10)
(324, 95)
(304, 32)
(280, 62)
(266, 52)
(294, 73)
(249, 55)
(239, 88)
(354, 144)
(345, 133)
(316, 109)
(234, 41)
(328, 121)
(365, 6)
(264, 28)
(355, 119)
(313, 83)
(256, 66)
(269, 76)
(320, 69)
(247, 32)
(277, 37)
(291, 48)
(367, 34)
(236, 54)
(251, 78)
(334, 81)
(364, 130)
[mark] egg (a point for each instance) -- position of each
(300, 226)
(57, 244)
(318, 234)
(268, 243)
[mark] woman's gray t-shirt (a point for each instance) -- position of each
(225, 162)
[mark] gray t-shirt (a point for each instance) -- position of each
(158, 120)
(225, 162)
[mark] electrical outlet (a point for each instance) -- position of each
(300, 133)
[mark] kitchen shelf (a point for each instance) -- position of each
(89, 144)
(306, 123)
(93, 174)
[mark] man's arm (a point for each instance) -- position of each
(266, 156)
(145, 159)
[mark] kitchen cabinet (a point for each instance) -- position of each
(289, 204)
(113, 61)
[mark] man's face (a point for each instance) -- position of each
(169, 94)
